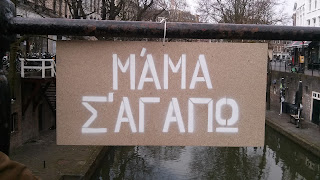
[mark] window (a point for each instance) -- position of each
(308, 22)
(309, 5)
(314, 21)
(315, 4)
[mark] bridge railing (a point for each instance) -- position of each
(11, 25)
(43, 67)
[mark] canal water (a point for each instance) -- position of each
(280, 158)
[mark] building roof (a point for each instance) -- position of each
(298, 44)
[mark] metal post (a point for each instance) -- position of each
(52, 68)
(299, 97)
(301, 68)
(43, 68)
(22, 67)
(280, 108)
(6, 12)
(285, 66)
(268, 84)
(5, 113)
(282, 91)
(299, 102)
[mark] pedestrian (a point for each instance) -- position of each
(274, 82)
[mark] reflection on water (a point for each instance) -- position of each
(280, 158)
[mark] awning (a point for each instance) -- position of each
(297, 44)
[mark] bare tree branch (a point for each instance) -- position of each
(242, 11)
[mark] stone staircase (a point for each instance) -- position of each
(50, 95)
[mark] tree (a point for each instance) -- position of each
(142, 7)
(242, 11)
(78, 9)
(133, 10)
(173, 10)
(140, 10)
(178, 12)
(129, 10)
(111, 8)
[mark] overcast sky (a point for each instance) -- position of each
(288, 8)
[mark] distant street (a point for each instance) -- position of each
(281, 66)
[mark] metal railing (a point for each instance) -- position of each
(284, 66)
(42, 66)
(10, 25)
(77, 27)
(280, 66)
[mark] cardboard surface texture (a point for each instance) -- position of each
(144, 93)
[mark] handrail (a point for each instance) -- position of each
(43, 66)
(144, 29)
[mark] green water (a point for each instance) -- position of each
(279, 159)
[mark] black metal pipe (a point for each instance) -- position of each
(7, 11)
(82, 27)
(5, 113)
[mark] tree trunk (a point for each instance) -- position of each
(103, 10)
(112, 10)
(75, 9)
(79, 6)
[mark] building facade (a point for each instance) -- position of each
(307, 13)
(280, 49)
(306, 56)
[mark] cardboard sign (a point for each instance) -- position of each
(144, 93)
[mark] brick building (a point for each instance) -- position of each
(280, 49)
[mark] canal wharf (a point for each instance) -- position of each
(308, 136)
(48, 160)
